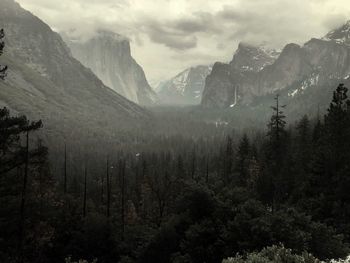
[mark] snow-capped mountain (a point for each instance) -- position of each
(108, 55)
(185, 88)
(253, 58)
(340, 35)
(254, 74)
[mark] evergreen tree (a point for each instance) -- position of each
(302, 156)
(337, 127)
(228, 160)
(337, 143)
(12, 154)
(276, 128)
(243, 160)
(272, 182)
(3, 69)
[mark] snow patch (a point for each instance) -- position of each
(293, 93)
(219, 123)
(310, 82)
(247, 68)
(180, 81)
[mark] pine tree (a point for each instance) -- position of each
(337, 127)
(228, 160)
(108, 188)
(271, 183)
(299, 163)
(122, 167)
(317, 132)
(193, 164)
(243, 159)
(3, 69)
(11, 128)
(336, 148)
(13, 155)
(85, 189)
(65, 170)
(276, 126)
(303, 145)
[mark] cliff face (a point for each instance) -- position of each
(253, 58)
(254, 73)
(185, 88)
(45, 81)
(108, 56)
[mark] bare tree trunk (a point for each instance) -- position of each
(161, 205)
(108, 189)
(65, 169)
(85, 184)
(102, 192)
(193, 165)
(23, 200)
(123, 198)
(207, 171)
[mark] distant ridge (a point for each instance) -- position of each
(303, 75)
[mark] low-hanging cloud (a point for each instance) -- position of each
(164, 31)
(170, 37)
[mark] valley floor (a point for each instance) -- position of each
(184, 186)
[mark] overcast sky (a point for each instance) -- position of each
(169, 35)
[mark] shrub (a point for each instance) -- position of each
(273, 254)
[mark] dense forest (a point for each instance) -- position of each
(197, 194)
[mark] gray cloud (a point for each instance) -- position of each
(171, 39)
(190, 25)
(197, 22)
(180, 33)
(169, 35)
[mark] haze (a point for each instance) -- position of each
(168, 36)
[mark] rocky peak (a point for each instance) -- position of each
(252, 58)
(108, 55)
(298, 69)
(340, 35)
(290, 52)
(186, 87)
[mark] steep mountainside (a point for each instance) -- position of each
(316, 64)
(45, 81)
(340, 35)
(253, 58)
(108, 56)
(184, 88)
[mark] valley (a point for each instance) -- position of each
(238, 162)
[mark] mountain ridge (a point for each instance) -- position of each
(317, 62)
(44, 81)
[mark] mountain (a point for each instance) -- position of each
(253, 74)
(185, 88)
(253, 58)
(45, 82)
(108, 55)
(340, 35)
